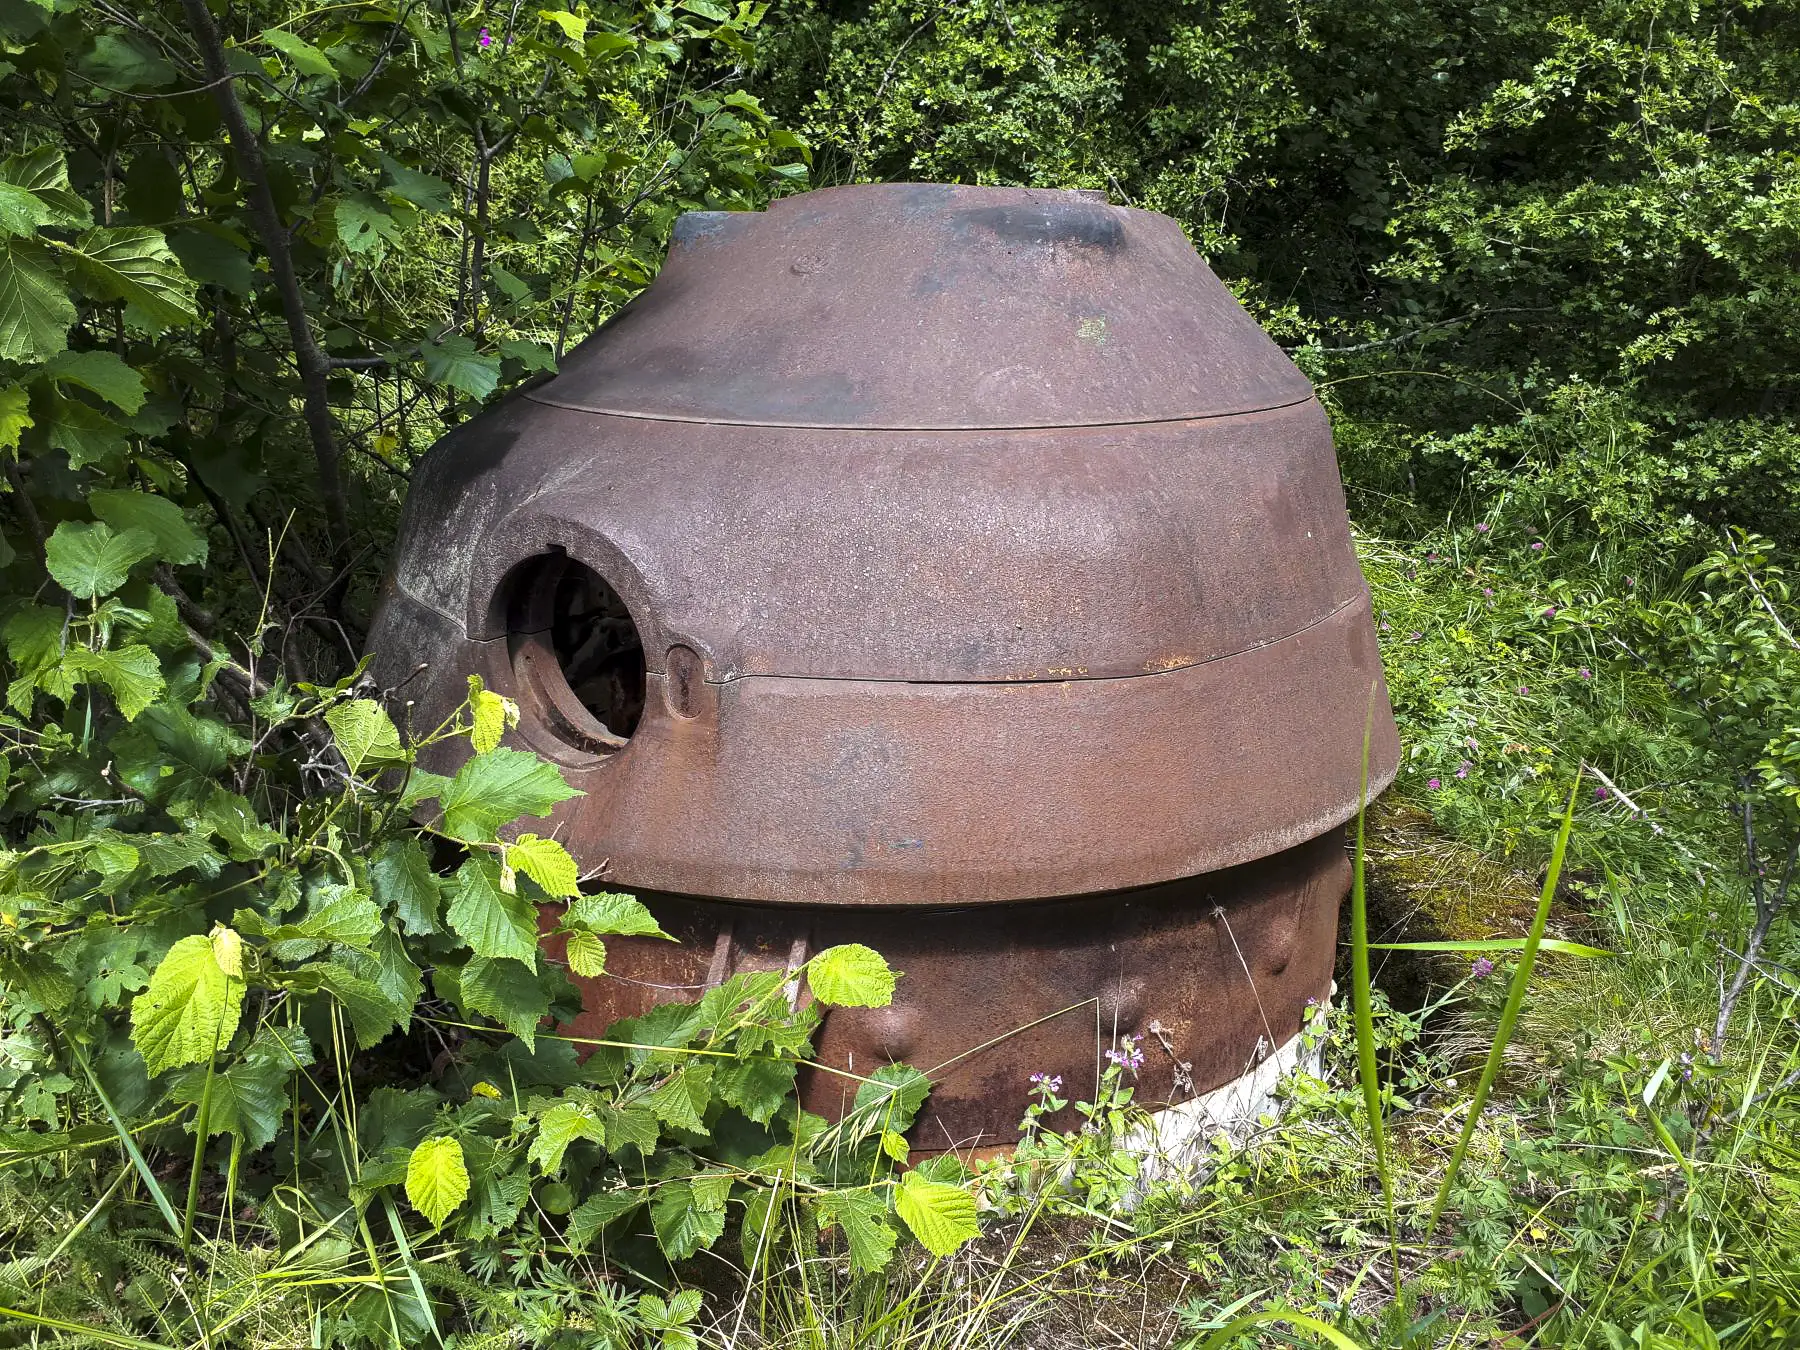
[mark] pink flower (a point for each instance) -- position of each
(1414, 636)
(1537, 545)
(1550, 613)
(1048, 1082)
(1433, 785)
(1431, 557)
(1482, 968)
(1601, 794)
(1129, 1056)
(487, 38)
(1462, 770)
(1481, 527)
(1630, 582)
(1524, 689)
(1586, 674)
(1488, 591)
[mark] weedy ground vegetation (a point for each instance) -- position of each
(279, 1058)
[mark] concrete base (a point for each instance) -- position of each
(1179, 1142)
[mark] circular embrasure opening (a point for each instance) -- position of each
(576, 654)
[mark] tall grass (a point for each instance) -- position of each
(1509, 1015)
(1362, 1004)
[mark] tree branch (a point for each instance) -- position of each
(311, 360)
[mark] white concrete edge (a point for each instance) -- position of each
(1180, 1142)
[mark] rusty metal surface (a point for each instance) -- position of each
(884, 792)
(1081, 648)
(1223, 964)
(958, 571)
(930, 305)
(983, 556)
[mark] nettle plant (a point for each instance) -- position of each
(282, 958)
(252, 257)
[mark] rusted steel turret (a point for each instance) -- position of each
(956, 570)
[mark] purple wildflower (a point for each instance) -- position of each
(1472, 743)
(1462, 770)
(1537, 545)
(1415, 636)
(1687, 1067)
(1386, 627)
(1487, 591)
(1048, 1082)
(487, 38)
(1431, 557)
(1481, 527)
(1601, 794)
(1550, 612)
(1586, 674)
(1482, 968)
(1433, 785)
(1524, 689)
(1128, 1056)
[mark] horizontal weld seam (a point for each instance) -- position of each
(1343, 605)
(535, 397)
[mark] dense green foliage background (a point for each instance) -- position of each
(1578, 222)
(1542, 261)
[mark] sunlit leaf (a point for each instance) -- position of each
(941, 1216)
(851, 976)
(493, 921)
(615, 914)
(546, 862)
(365, 734)
(496, 788)
(587, 955)
(190, 1009)
(455, 362)
(133, 263)
(437, 1179)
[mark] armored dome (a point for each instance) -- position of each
(914, 307)
(909, 545)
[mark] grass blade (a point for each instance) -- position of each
(1228, 1333)
(1361, 1005)
(131, 1149)
(412, 1269)
(202, 1135)
(82, 1330)
(1509, 1015)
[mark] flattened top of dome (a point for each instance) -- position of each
(921, 307)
